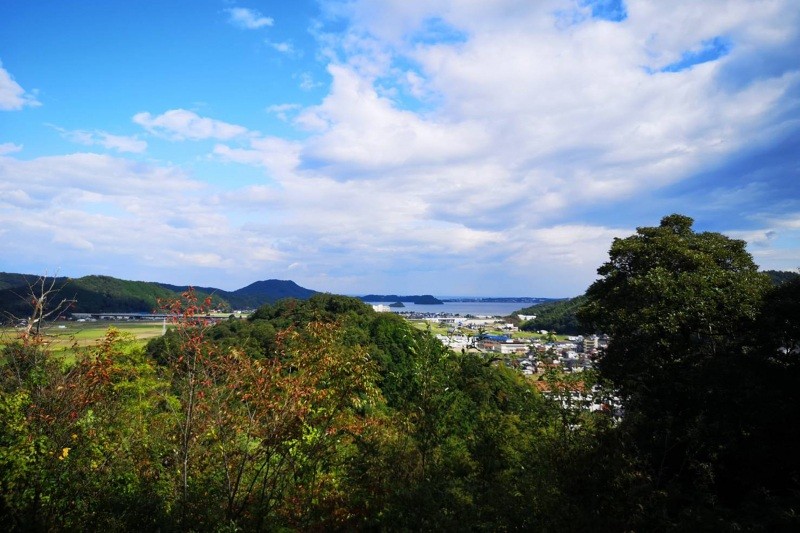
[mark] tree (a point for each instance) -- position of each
(680, 307)
(670, 299)
(42, 302)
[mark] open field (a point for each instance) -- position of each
(64, 337)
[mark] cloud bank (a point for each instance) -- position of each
(458, 147)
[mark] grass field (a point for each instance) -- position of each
(64, 337)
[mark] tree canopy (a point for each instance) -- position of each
(698, 353)
(670, 297)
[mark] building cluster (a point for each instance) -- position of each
(532, 356)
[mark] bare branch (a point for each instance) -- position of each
(40, 293)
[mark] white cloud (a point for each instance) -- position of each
(307, 82)
(520, 123)
(361, 130)
(180, 124)
(278, 156)
(776, 244)
(571, 114)
(58, 177)
(107, 140)
(129, 213)
(286, 48)
(248, 19)
(12, 96)
(282, 111)
(9, 148)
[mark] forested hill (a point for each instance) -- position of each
(781, 276)
(254, 295)
(264, 292)
(91, 294)
(109, 294)
(558, 316)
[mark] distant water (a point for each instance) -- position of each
(462, 308)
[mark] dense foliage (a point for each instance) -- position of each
(704, 352)
(781, 276)
(318, 414)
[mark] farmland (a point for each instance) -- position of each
(64, 338)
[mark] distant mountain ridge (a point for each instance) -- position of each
(109, 294)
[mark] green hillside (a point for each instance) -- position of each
(267, 292)
(9, 281)
(91, 294)
(558, 316)
(781, 276)
(251, 297)
(97, 294)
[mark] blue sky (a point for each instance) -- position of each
(445, 146)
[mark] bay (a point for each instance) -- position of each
(461, 308)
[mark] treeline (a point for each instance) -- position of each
(781, 276)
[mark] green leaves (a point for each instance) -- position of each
(695, 352)
(667, 292)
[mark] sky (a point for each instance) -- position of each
(450, 147)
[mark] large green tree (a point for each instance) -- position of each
(671, 299)
(701, 384)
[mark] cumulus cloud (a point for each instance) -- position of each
(248, 19)
(509, 123)
(57, 177)
(180, 124)
(280, 157)
(572, 114)
(362, 130)
(497, 143)
(12, 96)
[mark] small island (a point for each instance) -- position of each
(397, 304)
(424, 299)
